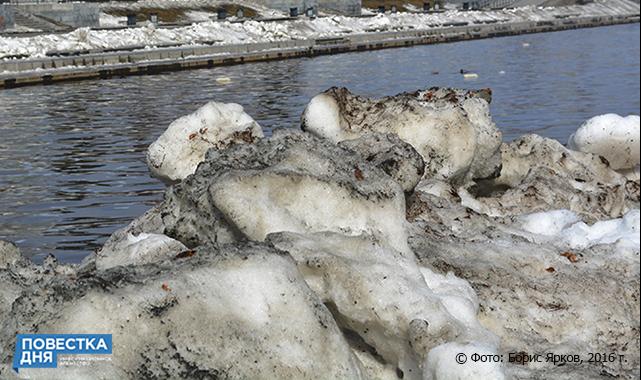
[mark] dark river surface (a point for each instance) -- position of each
(72, 167)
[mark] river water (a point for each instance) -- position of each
(72, 166)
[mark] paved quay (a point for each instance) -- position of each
(101, 65)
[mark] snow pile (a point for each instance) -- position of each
(178, 151)
(611, 136)
(327, 239)
(295, 257)
(289, 182)
(339, 211)
(451, 129)
(254, 31)
(566, 226)
(540, 277)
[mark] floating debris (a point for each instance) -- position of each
(223, 80)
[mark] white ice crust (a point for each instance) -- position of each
(566, 226)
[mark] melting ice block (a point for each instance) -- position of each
(611, 136)
(451, 129)
(382, 297)
(179, 150)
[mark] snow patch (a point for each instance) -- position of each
(567, 227)
(549, 223)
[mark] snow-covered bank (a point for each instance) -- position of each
(302, 255)
(254, 31)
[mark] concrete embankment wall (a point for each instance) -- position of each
(6, 17)
(72, 14)
(286, 5)
(345, 7)
(106, 65)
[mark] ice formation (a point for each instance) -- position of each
(611, 136)
(382, 297)
(451, 129)
(179, 150)
(540, 174)
(348, 256)
(289, 182)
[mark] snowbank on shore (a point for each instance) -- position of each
(254, 31)
(294, 256)
(186, 4)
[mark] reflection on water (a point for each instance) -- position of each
(72, 164)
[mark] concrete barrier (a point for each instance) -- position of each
(6, 17)
(73, 14)
(109, 64)
(287, 5)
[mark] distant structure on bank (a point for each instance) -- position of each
(59, 15)
(49, 15)
(345, 7)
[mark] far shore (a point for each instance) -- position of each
(119, 62)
